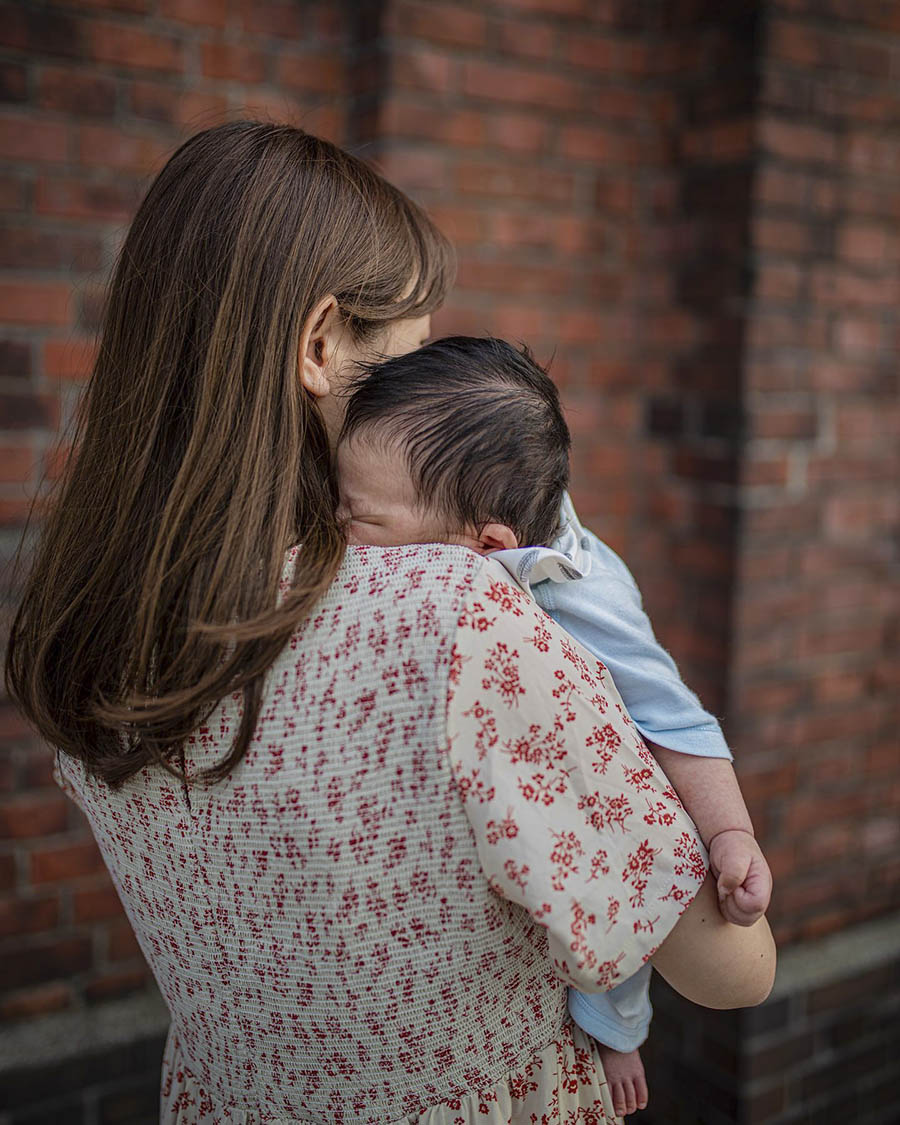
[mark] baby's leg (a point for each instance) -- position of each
(625, 1075)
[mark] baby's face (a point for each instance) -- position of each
(378, 498)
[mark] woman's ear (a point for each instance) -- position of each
(497, 537)
(318, 344)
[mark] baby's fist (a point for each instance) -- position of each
(743, 878)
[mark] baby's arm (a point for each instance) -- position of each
(604, 612)
(710, 792)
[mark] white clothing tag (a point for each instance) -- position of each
(566, 561)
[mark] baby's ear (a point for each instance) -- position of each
(497, 537)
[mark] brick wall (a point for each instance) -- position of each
(814, 671)
(691, 207)
(95, 98)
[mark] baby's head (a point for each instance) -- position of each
(462, 441)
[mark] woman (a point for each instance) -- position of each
(367, 809)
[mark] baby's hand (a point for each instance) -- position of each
(743, 878)
(625, 1075)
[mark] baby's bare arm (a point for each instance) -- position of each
(708, 789)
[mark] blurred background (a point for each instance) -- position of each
(693, 208)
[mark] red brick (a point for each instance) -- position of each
(464, 226)
(41, 32)
(13, 724)
(13, 193)
(207, 13)
(35, 1002)
(517, 132)
(518, 84)
(783, 187)
(830, 285)
(447, 24)
(30, 248)
(13, 83)
(601, 146)
(20, 916)
(409, 118)
(24, 139)
(497, 277)
(859, 337)
(614, 195)
(75, 199)
(7, 872)
(110, 147)
(116, 984)
(56, 461)
(503, 180)
(122, 945)
(721, 141)
(764, 471)
(72, 91)
(554, 8)
(873, 155)
(518, 322)
(49, 865)
(129, 46)
(779, 281)
(14, 513)
(96, 903)
(17, 463)
(526, 40)
(133, 6)
(786, 423)
(28, 817)
(46, 962)
(35, 302)
(859, 517)
(413, 168)
(782, 236)
(280, 20)
(37, 769)
(317, 73)
(422, 70)
(70, 357)
(797, 142)
(865, 244)
(607, 54)
(238, 64)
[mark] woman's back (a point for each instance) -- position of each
(320, 922)
(317, 921)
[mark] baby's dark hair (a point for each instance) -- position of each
(481, 428)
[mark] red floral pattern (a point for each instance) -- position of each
(338, 926)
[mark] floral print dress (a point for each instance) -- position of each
(444, 818)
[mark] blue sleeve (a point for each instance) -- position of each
(619, 1018)
(603, 611)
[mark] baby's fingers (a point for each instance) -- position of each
(736, 908)
(731, 876)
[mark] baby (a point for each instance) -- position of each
(463, 441)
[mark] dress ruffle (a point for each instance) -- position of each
(563, 1084)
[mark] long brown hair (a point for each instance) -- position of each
(198, 459)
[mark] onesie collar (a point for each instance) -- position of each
(567, 560)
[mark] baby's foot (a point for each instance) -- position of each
(625, 1075)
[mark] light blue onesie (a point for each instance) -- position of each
(584, 586)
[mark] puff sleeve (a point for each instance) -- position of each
(573, 819)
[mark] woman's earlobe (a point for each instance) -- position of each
(316, 344)
(313, 378)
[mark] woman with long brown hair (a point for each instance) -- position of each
(348, 795)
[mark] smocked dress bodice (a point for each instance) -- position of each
(445, 817)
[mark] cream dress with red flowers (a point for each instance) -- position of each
(444, 818)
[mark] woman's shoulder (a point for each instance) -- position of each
(440, 572)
